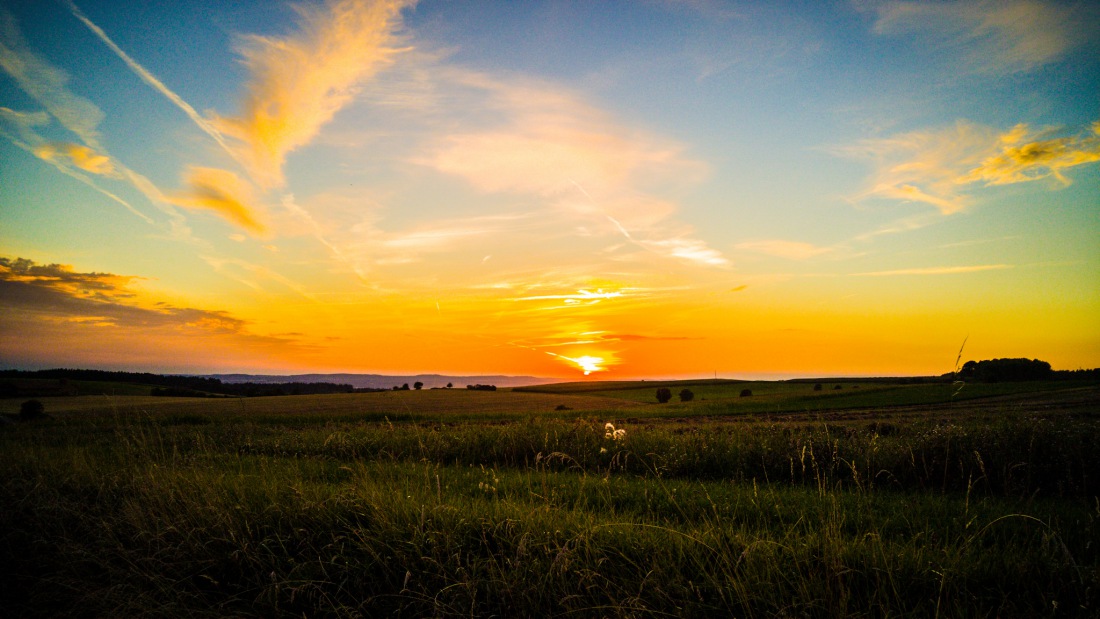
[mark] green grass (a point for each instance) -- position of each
(470, 504)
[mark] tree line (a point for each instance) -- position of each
(175, 385)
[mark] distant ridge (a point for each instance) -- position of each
(382, 381)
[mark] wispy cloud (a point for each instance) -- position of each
(939, 167)
(77, 155)
(223, 192)
(46, 84)
(299, 82)
(151, 79)
(580, 296)
(1025, 157)
(989, 36)
(545, 141)
(69, 159)
(793, 250)
(251, 274)
(924, 166)
(937, 270)
(20, 126)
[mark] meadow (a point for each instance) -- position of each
(886, 500)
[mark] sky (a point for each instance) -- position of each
(584, 190)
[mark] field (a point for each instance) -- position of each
(882, 500)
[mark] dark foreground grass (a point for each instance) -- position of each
(993, 514)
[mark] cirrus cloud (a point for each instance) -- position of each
(988, 36)
(941, 167)
(223, 192)
(300, 82)
(78, 155)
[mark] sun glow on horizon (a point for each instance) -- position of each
(586, 363)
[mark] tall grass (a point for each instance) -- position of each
(200, 516)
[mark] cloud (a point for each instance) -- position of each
(77, 155)
(792, 250)
(55, 315)
(60, 293)
(545, 140)
(541, 140)
(150, 79)
(935, 167)
(60, 277)
(20, 125)
(46, 84)
(1024, 158)
(629, 337)
(590, 297)
(924, 166)
(687, 249)
(989, 36)
(223, 192)
(299, 82)
(937, 270)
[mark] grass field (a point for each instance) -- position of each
(882, 501)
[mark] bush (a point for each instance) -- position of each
(32, 409)
(663, 394)
(686, 395)
(746, 393)
(817, 387)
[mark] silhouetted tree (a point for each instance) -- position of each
(686, 395)
(449, 385)
(1005, 370)
(664, 394)
(405, 387)
(817, 387)
(838, 387)
(417, 385)
(746, 393)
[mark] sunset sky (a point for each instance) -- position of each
(628, 189)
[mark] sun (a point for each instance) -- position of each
(589, 364)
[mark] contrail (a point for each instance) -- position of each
(151, 80)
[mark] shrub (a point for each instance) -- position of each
(686, 395)
(664, 394)
(817, 387)
(31, 409)
(746, 393)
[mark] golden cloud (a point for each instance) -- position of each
(924, 166)
(77, 155)
(1021, 160)
(223, 192)
(300, 82)
(55, 314)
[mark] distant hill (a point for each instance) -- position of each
(382, 381)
